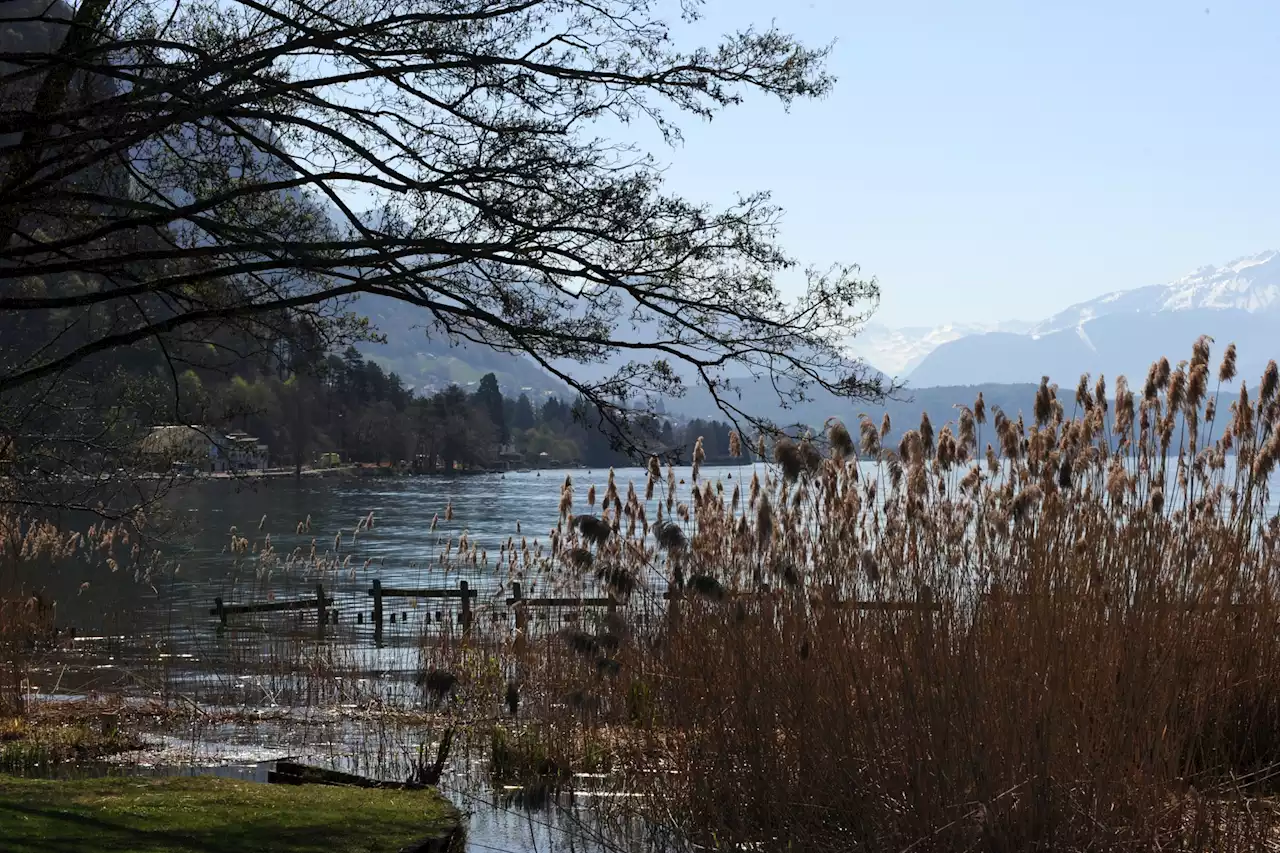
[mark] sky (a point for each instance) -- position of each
(990, 161)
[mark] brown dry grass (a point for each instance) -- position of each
(1101, 670)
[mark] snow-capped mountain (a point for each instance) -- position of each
(1247, 284)
(1122, 332)
(897, 351)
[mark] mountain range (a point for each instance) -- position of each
(1123, 332)
(1118, 333)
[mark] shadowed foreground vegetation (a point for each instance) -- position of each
(211, 815)
(1095, 666)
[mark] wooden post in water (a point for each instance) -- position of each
(377, 611)
(322, 615)
(465, 589)
(222, 613)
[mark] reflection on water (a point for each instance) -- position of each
(151, 636)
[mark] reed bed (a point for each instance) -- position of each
(1084, 656)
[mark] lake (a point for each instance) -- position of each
(152, 637)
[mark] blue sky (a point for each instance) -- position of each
(1000, 160)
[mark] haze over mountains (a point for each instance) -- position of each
(1119, 333)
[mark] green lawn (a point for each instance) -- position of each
(213, 815)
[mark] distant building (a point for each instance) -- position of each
(242, 452)
(203, 449)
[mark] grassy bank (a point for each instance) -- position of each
(212, 815)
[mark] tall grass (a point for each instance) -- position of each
(1053, 629)
(1097, 668)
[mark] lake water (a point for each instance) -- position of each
(149, 636)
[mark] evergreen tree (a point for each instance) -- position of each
(522, 416)
(488, 399)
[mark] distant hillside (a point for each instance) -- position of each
(430, 363)
(904, 411)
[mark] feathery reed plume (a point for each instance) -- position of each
(870, 437)
(438, 683)
(967, 438)
(448, 510)
(699, 455)
(946, 453)
(1100, 393)
(1064, 473)
(1157, 500)
(790, 576)
(885, 426)
(1176, 393)
(594, 530)
(670, 536)
(926, 435)
(1265, 462)
(1044, 403)
(980, 410)
(760, 447)
(839, 439)
(707, 587)
(655, 468)
(1163, 369)
(580, 642)
(618, 580)
(578, 558)
(1227, 371)
(1197, 386)
(764, 522)
(566, 501)
(1270, 381)
(810, 457)
(1152, 385)
(591, 495)
(1083, 398)
(911, 447)
(1026, 498)
(735, 443)
(1242, 422)
(787, 455)
(870, 565)
(263, 521)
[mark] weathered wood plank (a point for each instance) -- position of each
(268, 606)
(426, 593)
(562, 602)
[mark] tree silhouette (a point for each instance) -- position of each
(488, 398)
